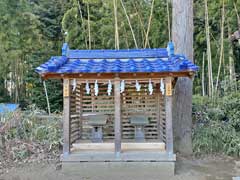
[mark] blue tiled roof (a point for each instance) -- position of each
(116, 61)
(5, 108)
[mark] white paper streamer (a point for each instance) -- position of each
(96, 88)
(87, 88)
(138, 86)
(74, 84)
(150, 87)
(162, 89)
(122, 86)
(109, 90)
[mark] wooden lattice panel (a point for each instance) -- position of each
(98, 104)
(74, 117)
(75, 127)
(162, 119)
(132, 102)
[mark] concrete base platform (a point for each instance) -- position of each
(126, 164)
(125, 170)
(106, 156)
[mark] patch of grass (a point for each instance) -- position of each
(217, 125)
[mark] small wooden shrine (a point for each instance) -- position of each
(118, 103)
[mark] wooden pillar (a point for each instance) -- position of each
(81, 111)
(66, 116)
(117, 115)
(168, 108)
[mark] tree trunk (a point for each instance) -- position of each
(182, 35)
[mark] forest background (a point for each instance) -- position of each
(32, 31)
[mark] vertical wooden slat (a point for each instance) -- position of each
(66, 116)
(79, 96)
(168, 108)
(163, 117)
(117, 115)
(158, 99)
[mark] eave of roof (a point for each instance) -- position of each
(112, 63)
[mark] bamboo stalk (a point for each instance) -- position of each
(125, 37)
(232, 73)
(235, 8)
(209, 54)
(89, 28)
(169, 22)
(203, 75)
(149, 24)
(232, 67)
(222, 45)
(129, 23)
(142, 25)
(46, 94)
(116, 25)
(83, 24)
(16, 81)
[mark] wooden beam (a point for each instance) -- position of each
(127, 81)
(117, 122)
(168, 108)
(111, 76)
(126, 146)
(66, 117)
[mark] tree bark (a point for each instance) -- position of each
(182, 36)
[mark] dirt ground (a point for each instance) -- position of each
(208, 168)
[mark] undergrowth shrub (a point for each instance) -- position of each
(35, 125)
(217, 125)
(31, 132)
